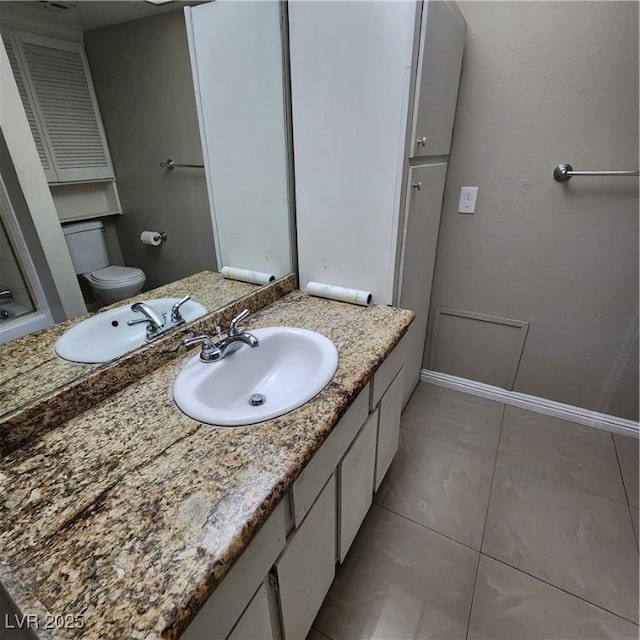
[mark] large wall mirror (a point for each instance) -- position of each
(169, 118)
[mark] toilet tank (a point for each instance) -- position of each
(87, 245)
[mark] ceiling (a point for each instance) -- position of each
(85, 15)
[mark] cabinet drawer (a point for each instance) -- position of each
(387, 371)
(307, 566)
(324, 462)
(355, 484)
(389, 427)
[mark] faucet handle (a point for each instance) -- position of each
(210, 350)
(176, 316)
(206, 341)
(233, 325)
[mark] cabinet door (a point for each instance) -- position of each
(255, 622)
(355, 485)
(439, 66)
(422, 220)
(323, 464)
(29, 106)
(57, 78)
(389, 427)
(307, 566)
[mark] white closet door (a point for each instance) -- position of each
(439, 67)
(60, 85)
(29, 108)
(422, 219)
(350, 77)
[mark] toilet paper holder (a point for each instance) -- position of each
(153, 238)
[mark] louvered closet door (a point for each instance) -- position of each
(60, 84)
(34, 122)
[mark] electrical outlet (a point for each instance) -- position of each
(468, 197)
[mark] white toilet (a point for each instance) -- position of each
(90, 259)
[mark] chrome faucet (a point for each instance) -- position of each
(5, 295)
(176, 316)
(155, 321)
(214, 351)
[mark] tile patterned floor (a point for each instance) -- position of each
(493, 522)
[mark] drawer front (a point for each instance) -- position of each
(389, 427)
(355, 492)
(387, 371)
(307, 566)
(324, 462)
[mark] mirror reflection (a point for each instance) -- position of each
(136, 164)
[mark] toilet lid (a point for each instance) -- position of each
(113, 274)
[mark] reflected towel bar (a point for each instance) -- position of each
(564, 171)
(171, 165)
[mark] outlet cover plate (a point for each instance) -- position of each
(468, 198)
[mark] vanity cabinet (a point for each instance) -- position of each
(277, 586)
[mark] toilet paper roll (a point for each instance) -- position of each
(341, 294)
(246, 275)
(152, 238)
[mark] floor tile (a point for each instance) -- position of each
(580, 456)
(511, 605)
(445, 487)
(399, 581)
(453, 417)
(628, 454)
(576, 540)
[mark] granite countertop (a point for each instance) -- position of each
(132, 513)
(30, 367)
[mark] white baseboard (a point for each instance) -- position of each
(533, 403)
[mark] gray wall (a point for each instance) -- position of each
(142, 75)
(543, 83)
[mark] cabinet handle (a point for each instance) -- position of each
(417, 186)
(421, 141)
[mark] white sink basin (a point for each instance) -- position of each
(106, 335)
(288, 368)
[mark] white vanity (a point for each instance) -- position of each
(277, 586)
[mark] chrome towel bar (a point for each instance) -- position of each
(564, 171)
(170, 165)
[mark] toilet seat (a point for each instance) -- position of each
(114, 275)
(112, 283)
